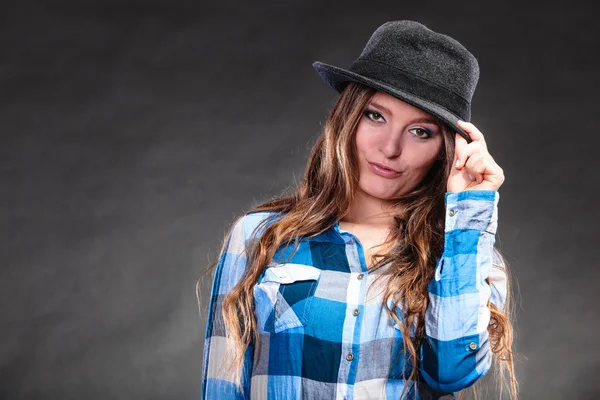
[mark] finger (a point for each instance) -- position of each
(479, 169)
(464, 152)
(459, 146)
(474, 133)
(473, 167)
(482, 164)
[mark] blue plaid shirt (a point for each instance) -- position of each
(323, 335)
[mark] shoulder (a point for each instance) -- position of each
(252, 224)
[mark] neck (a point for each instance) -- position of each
(370, 211)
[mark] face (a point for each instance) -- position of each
(395, 134)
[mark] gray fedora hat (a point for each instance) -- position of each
(409, 61)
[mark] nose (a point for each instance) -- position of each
(391, 144)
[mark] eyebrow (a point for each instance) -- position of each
(420, 119)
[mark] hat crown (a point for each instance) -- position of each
(411, 47)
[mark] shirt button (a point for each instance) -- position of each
(355, 312)
(360, 276)
(350, 357)
(452, 212)
(472, 345)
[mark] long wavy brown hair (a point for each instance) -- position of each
(322, 198)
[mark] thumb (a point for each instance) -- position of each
(460, 143)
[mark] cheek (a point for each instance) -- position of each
(426, 155)
(365, 141)
(361, 141)
(424, 161)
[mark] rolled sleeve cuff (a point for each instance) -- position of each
(472, 209)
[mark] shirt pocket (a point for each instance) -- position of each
(283, 296)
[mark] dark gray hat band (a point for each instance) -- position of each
(411, 83)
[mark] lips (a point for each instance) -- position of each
(383, 171)
(384, 167)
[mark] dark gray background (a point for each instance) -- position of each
(134, 132)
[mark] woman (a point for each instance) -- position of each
(378, 277)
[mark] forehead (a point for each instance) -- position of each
(396, 105)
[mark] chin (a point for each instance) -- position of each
(380, 193)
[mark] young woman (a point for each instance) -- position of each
(377, 278)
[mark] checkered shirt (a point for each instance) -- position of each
(322, 329)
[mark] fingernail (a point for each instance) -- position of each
(457, 163)
(470, 176)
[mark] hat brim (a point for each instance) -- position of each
(337, 78)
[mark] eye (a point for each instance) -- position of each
(374, 115)
(423, 133)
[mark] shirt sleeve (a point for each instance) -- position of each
(455, 350)
(217, 381)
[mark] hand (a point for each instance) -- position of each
(474, 160)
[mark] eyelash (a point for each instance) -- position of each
(368, 112)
